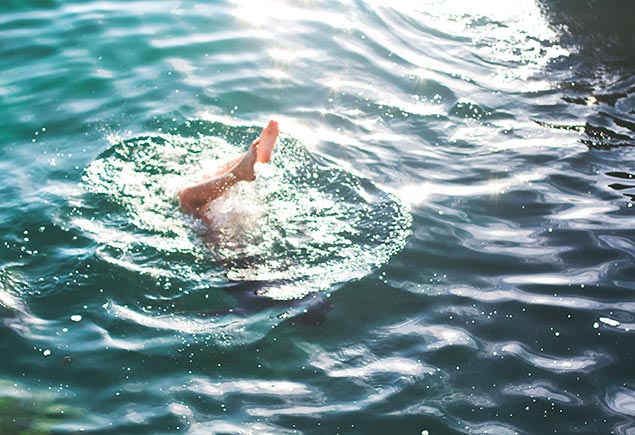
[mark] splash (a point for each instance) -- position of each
(301, 227)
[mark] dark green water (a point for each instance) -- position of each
(443, 243)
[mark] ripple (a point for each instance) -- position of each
(319, 410)
(434, 336)
(396, 365)
(213, 427)
(254, 387)
(621, 400)
(10, 294)
(563, 278)
(14, 312)
(589, 362)
(542, 390)
(540, 299)
(359, 362)
(299, 228)
(225, 329)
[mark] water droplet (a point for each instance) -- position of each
(609, 321)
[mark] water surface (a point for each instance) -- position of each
(443, 242)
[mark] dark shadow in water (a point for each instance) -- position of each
(315, 306)
(600, 72)
(601, 27)
(622, 184)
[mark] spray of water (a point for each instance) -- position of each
(301, 227)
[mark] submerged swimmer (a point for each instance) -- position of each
(195, 199)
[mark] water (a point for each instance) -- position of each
(443, 243)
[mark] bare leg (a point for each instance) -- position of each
(194, 199)
(267, 141)
(228, 165)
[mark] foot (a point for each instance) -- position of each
(243, 170)
(267, 141)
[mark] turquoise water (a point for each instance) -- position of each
(443, 243)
